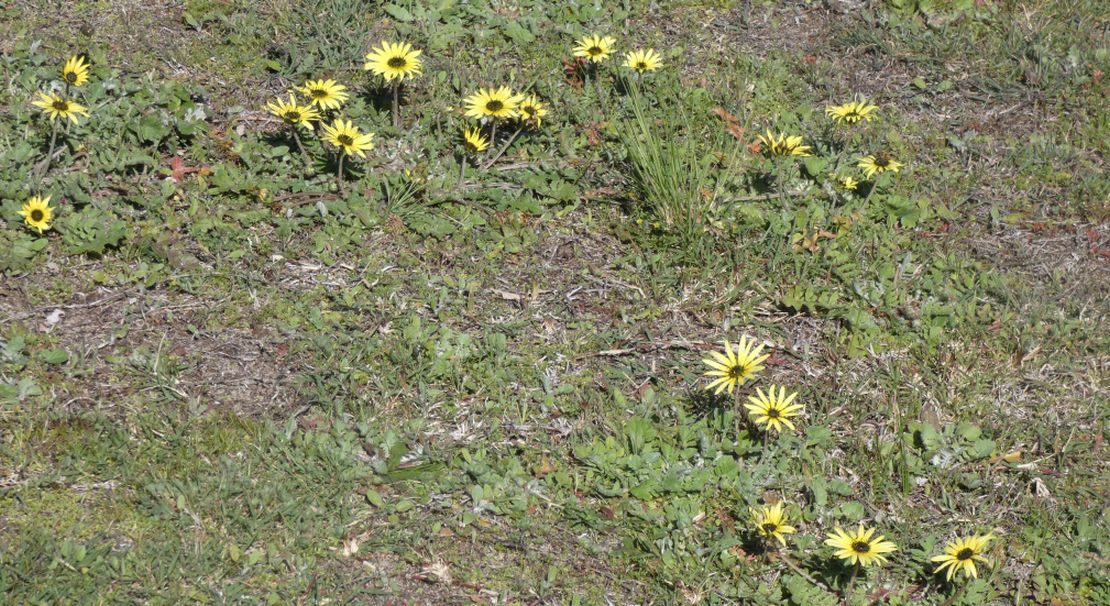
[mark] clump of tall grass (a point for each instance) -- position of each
(672, 167)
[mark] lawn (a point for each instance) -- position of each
(597, 329)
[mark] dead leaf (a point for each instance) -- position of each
(436, 571)
(732, 123)
(178, 169)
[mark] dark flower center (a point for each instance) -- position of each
(737, 372)
(396, 62)
(641, 66)
(528, 109)
(770, 527)
(882, 162)
(494, 105)
(293, 116)
(319, 93)
(861, 546)
(345, 140)
(965, 554)
(773, 413)
(61, 105)
(37, 215)
(594, 50)
(71, 76)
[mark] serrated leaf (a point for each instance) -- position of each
(399, 13)
(53, 356)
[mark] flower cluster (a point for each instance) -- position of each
(596, 48)
(850, 113)
(494, 105)
(322, 98)
(74, 74)
(774, 409)
(854, 112)
(36, 211)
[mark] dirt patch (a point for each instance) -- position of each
(128, 346)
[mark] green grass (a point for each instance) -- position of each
(244, 386)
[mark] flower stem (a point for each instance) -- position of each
(339, 173)
(300, 146)
(851, 584)
(396, 104)
(952, 599)
(874, 186)
(462, 171)
(739, 414)
(503, 147)
(493, 131)
(600, 97)
(50, 153)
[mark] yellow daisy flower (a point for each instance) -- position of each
(531, 110)
(494, 103)
(346, 136)
(773, 410)
(847, 183)
(962, 554)
(595, 48)
(860, 547)
(394, 61)
(784, 145)
(770, 522)
(327, 94)
(474, 141)
(643, 60)
(55, 106)
(851, 112)
(76, 71)
(293, 113)
(732, 368)
(879, 163)
(36, 213)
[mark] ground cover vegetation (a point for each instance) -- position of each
(453, 302)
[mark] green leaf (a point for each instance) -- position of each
(53, 356)
(815, 166)
(398, 12)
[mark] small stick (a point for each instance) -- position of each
(504, 147)
(798, 569)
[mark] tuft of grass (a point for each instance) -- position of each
(671, 170)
